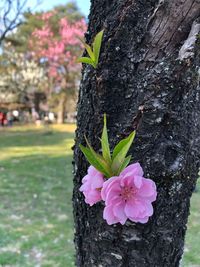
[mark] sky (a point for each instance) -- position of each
(84, 5)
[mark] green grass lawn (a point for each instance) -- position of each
(36, 225)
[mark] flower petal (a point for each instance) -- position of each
(148, 190)
(109, 216)
(133, 169)
(111, 183)
(84, 187)
(85, 178)
(97, 182)
(140, 220)
(119, 213)
(92, 171)
(91, 183)
(133, 208)
(138, 181)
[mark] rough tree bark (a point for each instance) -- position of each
(147, 79)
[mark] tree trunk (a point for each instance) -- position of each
(147, 79)
(61, 109)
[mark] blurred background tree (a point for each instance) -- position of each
(20, 78)
(49, 43)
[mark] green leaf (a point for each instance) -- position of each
(123, 143)
(120, 152)
(124, 164)
(95, 158)
(97, 45)
(88, 49)
(101, 160)
(90, 52)
(86, 60)
(93, 51)
(104, 143)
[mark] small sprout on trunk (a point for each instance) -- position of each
(93, 51)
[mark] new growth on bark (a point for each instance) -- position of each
(147, 79)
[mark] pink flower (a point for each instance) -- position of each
(91, 187)
(128, 196)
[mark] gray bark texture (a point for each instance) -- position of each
(147, 79)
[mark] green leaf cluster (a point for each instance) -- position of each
(93, 51)
(109, 165)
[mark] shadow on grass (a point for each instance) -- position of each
(33, 138)
(41, 166)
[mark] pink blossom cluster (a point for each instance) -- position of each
(127, 196)
(59, 48)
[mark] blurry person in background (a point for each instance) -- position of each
(1, 118)
(10, 118)
(15, 114)
(51, 117)
(35, 115)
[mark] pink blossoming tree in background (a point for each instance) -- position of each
(56, 45)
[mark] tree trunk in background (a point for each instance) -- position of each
(147, 79)
(61, 109)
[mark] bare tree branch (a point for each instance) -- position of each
(11, 15)
(5, 19)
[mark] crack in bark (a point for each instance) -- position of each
(181, 22)
(172, 17)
